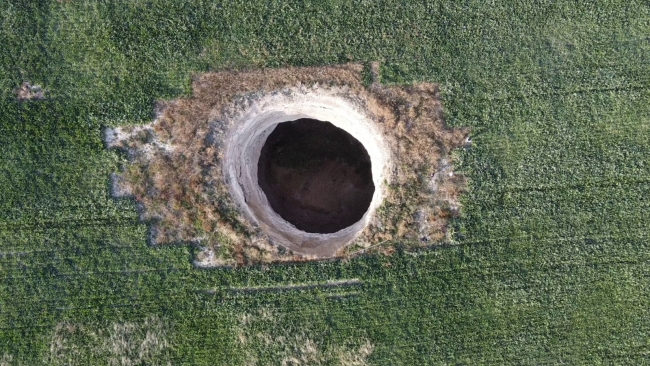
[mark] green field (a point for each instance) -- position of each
(551, 259)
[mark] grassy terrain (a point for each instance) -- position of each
(552, 256)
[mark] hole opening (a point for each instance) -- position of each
(315, 175)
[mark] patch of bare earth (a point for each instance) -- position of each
(27, 91)
(175, 171)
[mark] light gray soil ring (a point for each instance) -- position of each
(243, 148)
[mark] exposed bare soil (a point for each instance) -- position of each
(27, 91)
(176, 177)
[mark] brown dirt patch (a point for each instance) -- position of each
(27, 91)
(175, 171)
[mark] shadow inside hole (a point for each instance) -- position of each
(315, 175)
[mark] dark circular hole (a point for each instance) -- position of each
(315, 175)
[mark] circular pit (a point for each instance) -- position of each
(307, 168)
(315, 175)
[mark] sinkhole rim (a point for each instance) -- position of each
(243, 148)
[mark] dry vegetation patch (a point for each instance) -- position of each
(265, 339)
(177, 177)
(120, 344)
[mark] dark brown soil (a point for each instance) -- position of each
(315, 175)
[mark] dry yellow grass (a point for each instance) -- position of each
(293, 347)
(121, 344)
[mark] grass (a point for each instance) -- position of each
(551, 262)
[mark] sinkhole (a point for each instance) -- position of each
(315, 175)
(306, 169)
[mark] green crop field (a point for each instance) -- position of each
(550, 262)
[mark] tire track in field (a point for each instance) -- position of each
(230, 295)
(418, 252)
